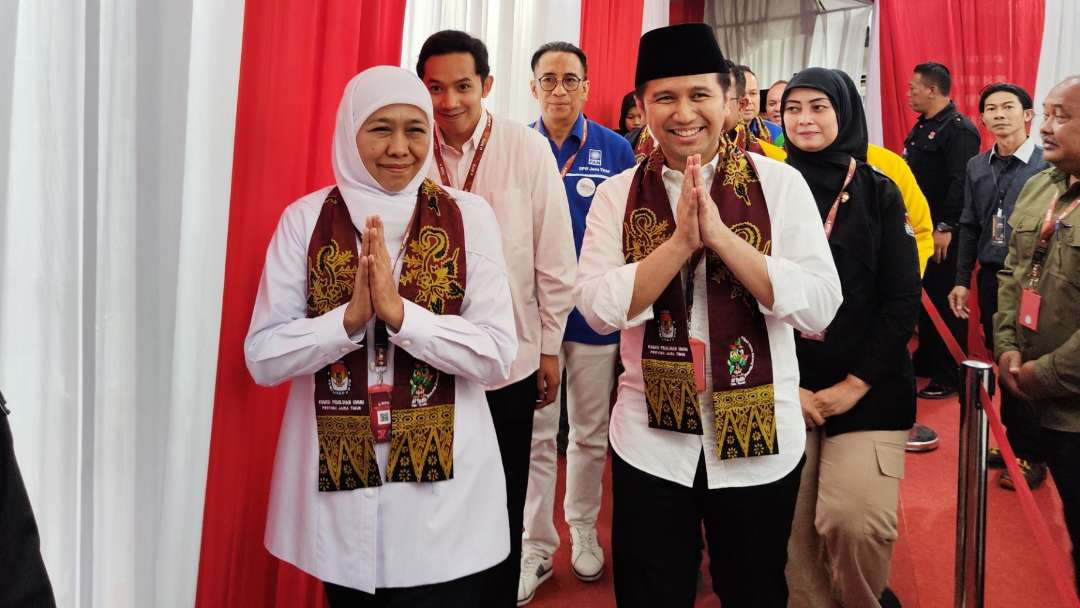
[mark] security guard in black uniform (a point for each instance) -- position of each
(938, 149)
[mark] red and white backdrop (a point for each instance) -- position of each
(146, 152)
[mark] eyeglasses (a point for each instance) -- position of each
(570, 83)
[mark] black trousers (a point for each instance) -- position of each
(23, 580)
(1019, 417)
(472, 591)
(656, 539)
(1063, 457)
(932, 359)
(512, 410)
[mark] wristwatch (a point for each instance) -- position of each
(943, 227)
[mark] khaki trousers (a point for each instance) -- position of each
(845, 519)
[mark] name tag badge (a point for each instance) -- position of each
(697, 351)
(816, 337)
(1030, 300)
(997, 230)
(379, 398)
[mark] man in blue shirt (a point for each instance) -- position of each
(586, 154)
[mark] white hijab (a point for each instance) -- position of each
(366, 93)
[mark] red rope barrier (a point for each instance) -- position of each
(1053, 556)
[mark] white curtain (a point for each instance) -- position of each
(655, 14)
(511, 29)
(1059, 57)
(873, 83)
(116, 127)
(777, 38)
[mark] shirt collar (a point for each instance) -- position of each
(941, 116)
(575, 131)
(708, 168)
(1023, 153)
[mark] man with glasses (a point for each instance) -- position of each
(587, 154)
(511, 167)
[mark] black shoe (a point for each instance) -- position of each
(1034, 474)
(936, 390)
(889, 599)
(994, 459)
(921, 438)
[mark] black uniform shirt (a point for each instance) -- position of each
(938, 149)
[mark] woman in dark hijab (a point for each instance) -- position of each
(856, 379)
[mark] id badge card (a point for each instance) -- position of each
(379, 400)
(1029, 309)
(697, 351)
(997, 229)
(816, 337)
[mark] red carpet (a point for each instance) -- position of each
(922, 573)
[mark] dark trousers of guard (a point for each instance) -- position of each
(512, 410)
(932, 359)
(1062, 450)
(656, 539)
(23, 580)
(1019, 417)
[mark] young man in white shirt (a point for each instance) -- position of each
(707, 426)
(510, 166)
(587, 153)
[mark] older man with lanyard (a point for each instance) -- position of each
(1036, 327)
(701, 257)
(510, 165)
(587, 154)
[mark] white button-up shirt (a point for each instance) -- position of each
(806, 293)
(399, 534)
(518, 176)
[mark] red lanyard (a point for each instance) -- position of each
(570, 161)
(1049, 227)
(1050, 224)
(830, 220)
(475, 161)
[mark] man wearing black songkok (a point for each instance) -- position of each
(700, 255)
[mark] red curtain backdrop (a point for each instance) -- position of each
(297, 56)
(610, 31)
(980, 42)
(686, 11)
(999, 43)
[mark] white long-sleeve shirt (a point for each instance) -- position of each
(399, 534)
(518, 176)
(806, 293)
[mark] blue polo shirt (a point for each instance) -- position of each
(606, 154)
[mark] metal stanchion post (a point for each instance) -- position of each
(971, 486)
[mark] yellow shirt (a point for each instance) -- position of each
(893, 166)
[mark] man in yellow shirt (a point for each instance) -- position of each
(921, 438)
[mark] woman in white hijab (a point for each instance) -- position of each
(385, 301)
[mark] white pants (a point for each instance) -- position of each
(590, 376)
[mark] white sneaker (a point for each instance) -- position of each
(586, 556)
(535, 569)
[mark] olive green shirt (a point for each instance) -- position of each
(1055, 348)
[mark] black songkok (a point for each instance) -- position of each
(678, 50)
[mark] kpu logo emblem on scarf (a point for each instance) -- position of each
(667, 325)
(340, 379)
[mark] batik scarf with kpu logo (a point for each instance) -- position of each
(422, 401)
(744, 408)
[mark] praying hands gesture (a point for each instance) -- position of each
(375, 291)
(710, 227)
